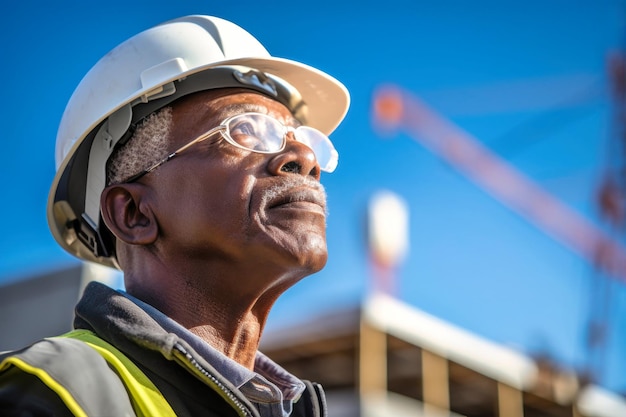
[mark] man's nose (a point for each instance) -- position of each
(296, 158)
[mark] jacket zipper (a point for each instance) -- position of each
(242, 409)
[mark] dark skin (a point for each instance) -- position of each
(213, 237)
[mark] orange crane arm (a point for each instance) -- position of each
(394, 109)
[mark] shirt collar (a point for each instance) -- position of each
(269, 382)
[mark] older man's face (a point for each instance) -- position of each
(219, 202)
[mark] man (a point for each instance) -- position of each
(189, 158)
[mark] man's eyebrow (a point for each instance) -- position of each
(236, 108)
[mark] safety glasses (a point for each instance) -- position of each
(258, 132)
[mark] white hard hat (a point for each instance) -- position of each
(147, 72)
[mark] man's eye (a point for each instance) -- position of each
(245, 135)
(243, 128)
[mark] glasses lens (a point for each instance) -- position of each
(256, 132)
(261, 133)
(322, 147)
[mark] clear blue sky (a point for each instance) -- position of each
(526, 78)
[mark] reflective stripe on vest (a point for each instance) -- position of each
(81, 378)
(147, 400)
(67, 398)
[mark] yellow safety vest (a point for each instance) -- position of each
(146, 399)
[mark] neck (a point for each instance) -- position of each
(225, 307)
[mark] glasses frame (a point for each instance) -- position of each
(224, 130)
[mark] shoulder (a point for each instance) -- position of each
(61, 373)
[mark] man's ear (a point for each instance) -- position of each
(128, 215)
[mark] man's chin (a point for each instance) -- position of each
(307, 253)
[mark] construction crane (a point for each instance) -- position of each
(611, 199)
(397, 109)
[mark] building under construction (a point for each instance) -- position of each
(388, 359)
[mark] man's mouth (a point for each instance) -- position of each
(302, 199)
(297, 194)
